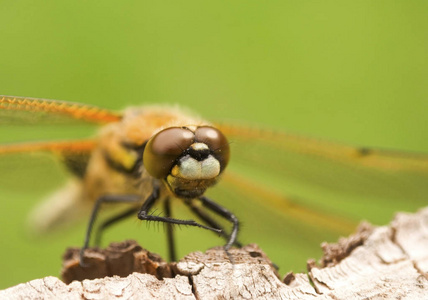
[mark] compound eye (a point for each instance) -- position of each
(163, 149)
(216, 141)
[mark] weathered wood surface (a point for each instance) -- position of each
(389, 262)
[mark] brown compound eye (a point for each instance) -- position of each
(216, 141)
(164, 148)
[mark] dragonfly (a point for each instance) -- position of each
(152, 156)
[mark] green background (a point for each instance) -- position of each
(350, 71)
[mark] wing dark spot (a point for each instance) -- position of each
(364, 151)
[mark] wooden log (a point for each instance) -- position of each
(375, 263)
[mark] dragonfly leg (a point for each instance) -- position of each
(100, 201)
(144, 215)
(210, 221)
(169, 231)
(223, 212)
(114, 219)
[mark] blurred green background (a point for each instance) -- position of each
(350, 71)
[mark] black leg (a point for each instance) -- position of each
(210, 221)
(169, 231)
(144, 215)
(107, 223)
(100, 201)
(213, 206)
(220, 210)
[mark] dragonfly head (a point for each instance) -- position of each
(188, 159)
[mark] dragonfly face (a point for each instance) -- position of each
(188, 159)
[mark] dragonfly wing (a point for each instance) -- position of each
(34, 166)
(74, 154)
(331, 165)
(23, 110)
(302, 189)
(351, 181)
(31, 119)
(35, 169)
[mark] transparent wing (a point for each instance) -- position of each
(331, 166)
(35, 169)
(23, 110)
(294, 192)
(35, 166)
(330, 178)
(32, 120)
(32, 172)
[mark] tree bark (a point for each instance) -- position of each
(375, 263)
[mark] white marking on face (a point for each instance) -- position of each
(190, 168)
(199, 146)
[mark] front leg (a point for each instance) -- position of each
(210, 221)
(170, 231)
(223, 212)
(144, 215)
